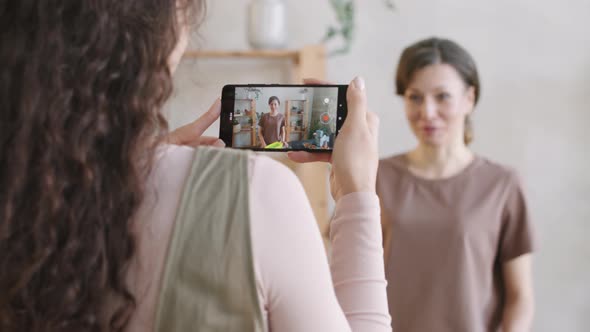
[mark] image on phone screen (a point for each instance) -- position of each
(282, 117)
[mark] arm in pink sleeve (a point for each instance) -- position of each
(357, 262)
(292, 271)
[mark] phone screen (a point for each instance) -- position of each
(282, 117)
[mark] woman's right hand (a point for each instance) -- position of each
(192, 133)
(355, 157)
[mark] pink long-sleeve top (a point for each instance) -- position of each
(298, 289)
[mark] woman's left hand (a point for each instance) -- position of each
(192, 133)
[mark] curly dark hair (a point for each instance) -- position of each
(82, 84)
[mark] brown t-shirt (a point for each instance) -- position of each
(270, 127)
(445, 243)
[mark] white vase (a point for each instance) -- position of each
(237, 128)
(267, 24)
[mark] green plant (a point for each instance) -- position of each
(318, 125)
(255, 91)
(235, 122)
(345, 28)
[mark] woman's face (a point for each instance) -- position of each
(274, 106)
(437, 102)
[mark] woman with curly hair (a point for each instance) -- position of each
(106, 226)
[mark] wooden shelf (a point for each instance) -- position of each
(308, 61)
(252, 116)
(302, 117)
(266, 54)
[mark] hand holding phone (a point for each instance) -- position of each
(355, 157)
(192, 134)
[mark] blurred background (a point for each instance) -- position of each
(534, 112)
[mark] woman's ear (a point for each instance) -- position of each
(471, 98)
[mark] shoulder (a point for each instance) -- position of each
(391, 174)
(392, 164)
(396, 161)
(496, 171)
(164, 186)
(261, 168)
(173, 159)
(497, 177)
(267, 171)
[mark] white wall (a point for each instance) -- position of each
(534, 59)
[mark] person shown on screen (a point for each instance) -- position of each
(272, 125)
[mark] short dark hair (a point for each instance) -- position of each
(271, 99)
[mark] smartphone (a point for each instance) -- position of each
(274, 117)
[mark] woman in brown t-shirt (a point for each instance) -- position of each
(272, 125)
(456, 226)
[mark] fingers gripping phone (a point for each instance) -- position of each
(282, 117)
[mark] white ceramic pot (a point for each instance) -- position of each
(237, 128)
(267, 24)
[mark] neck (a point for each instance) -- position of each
(435, 162)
